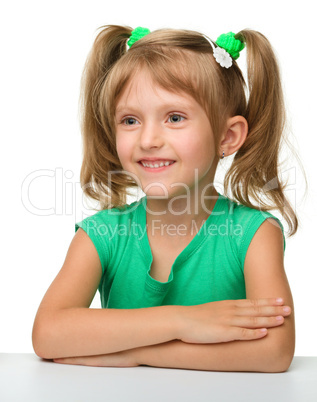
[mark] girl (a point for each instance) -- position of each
(188, 278)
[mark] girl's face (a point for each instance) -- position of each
(155, 127)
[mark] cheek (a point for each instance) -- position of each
(123, 149)
(199, 147)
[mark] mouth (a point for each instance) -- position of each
(156, 166)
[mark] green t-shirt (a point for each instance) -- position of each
(210, 268)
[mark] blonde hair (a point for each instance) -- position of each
(220, 91)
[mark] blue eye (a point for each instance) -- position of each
(175, 118)
(129, 121)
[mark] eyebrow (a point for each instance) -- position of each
(123, 108)
(174, 105)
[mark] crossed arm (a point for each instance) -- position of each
(222, 336)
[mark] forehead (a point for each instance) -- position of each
(142, 88)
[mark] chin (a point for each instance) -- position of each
(156, 193)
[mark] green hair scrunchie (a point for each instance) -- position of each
(232, 45)
(137, 33)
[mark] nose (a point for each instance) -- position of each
(151, 136)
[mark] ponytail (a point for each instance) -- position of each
(255, 169)
(99, 148)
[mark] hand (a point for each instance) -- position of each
(231, 320)
(125, 358)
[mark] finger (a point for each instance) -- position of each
(62, 361)
(244, 334)
(258, 322)
(71, 360)
(279, 301)
(263, 311)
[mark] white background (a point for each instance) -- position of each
(43, 49)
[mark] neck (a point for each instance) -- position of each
(180, 212)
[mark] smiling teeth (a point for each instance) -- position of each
(156, 165)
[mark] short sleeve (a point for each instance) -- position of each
(94, 229)
(250, 230)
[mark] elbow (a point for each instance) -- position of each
(41, 339)
(285, 357)
(37, 342)
(279, 348)
(280, 358)
(38, 350)
(281, 363)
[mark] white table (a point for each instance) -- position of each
(25, 377)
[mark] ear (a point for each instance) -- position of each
(234, 135)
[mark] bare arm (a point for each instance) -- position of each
(265, 277)
(65, 326)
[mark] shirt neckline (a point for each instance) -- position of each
(198, 239)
